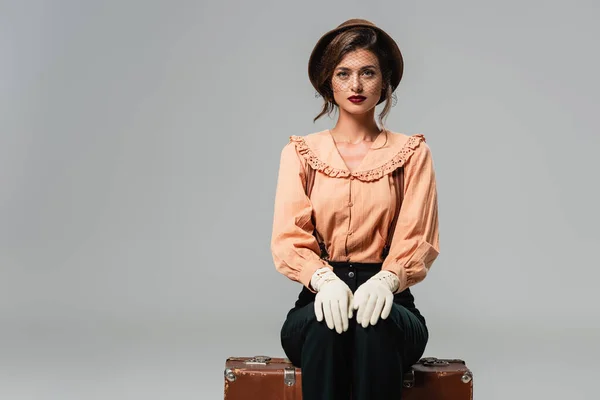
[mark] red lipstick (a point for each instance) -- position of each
(357, 99)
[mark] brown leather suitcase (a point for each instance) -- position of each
(438, 379)
(263, 378)
(266, 378)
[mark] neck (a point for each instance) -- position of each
(356, 127)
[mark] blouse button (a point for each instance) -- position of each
(350, 204)
(350, 233)
(351, 177)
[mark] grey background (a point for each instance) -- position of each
(139, 146)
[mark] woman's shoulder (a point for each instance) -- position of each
(311, 139)
(305, 142)
(392, 151)
(405, 146)
(401, 139)
(318, 150)
(308, 147)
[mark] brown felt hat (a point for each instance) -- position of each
(397, 63)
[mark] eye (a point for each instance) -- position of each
(370, 72)
(341, 73)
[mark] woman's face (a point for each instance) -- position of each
(358, 74)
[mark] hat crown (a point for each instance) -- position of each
(355, 21)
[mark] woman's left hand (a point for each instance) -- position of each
(375, 297)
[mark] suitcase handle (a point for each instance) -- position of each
(434, 361)
(256, 360)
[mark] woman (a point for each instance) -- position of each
(354, 329)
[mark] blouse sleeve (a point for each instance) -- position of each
(295, 250)
(415, 243)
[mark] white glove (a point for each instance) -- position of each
(333, 299)
(375, 298)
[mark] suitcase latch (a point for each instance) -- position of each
(467, 376)
(289, 376)
(409, 379)
(230, 375)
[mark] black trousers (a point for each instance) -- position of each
(361, 363)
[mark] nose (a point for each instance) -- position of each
(356, 84)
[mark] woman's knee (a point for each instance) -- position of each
(384, 332)
(302, 325)
(298, 320)
(322, 343)
(293, 332)
(321, 333)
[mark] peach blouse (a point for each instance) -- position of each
(353, 211)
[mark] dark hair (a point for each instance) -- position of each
(359, 38)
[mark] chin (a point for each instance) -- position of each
(357, 112)
(358, 108)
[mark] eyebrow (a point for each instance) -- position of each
(363, 67)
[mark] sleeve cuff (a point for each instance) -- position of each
(402, 278)
(307, 272)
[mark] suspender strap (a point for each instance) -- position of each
(398, 178)
(310, 180)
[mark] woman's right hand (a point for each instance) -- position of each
(333, 301)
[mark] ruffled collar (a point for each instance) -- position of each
(320, 151)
